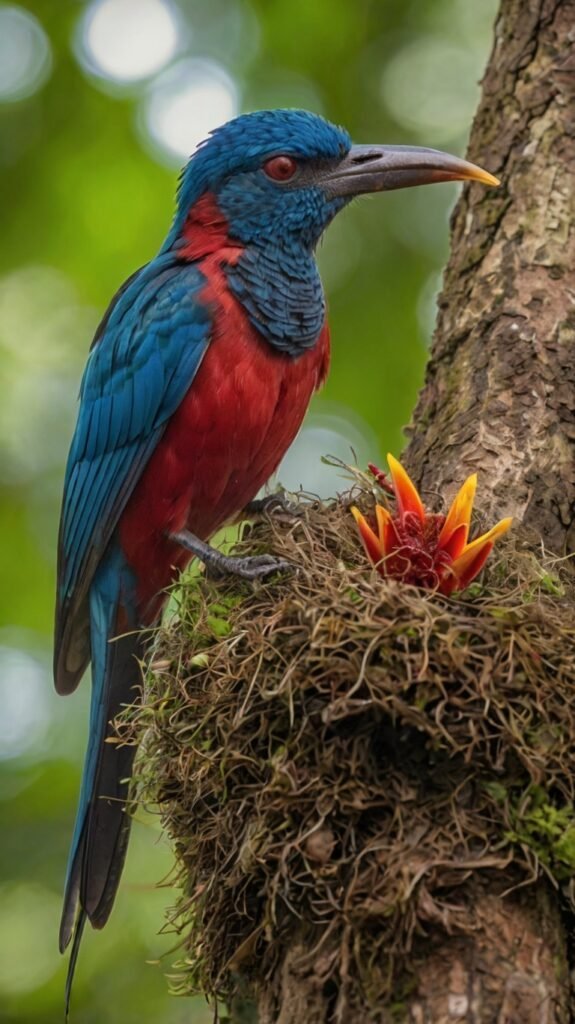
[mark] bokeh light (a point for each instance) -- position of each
(419, 222)
(431, 86)
(339, 253)
(128, 40)
(25, 54)
(43, 331)
(271, 87)
(337, 432)
(185, 104)
(224, 30)
(23, 699)
(27, 912)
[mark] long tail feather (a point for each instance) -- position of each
(102, 825)
(108, 827)
(78, 930)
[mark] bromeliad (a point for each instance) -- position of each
(424, 548)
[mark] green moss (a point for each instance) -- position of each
(496, 790)
(209, 622)
(548, 830)
(552, 584)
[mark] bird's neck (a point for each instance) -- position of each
(280, 290)
(275, 279)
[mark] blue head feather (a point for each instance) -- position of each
(228, 164)
(279, 224)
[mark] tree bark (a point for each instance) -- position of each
(499, 396)
(513, 970)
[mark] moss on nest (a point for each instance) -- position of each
(332, 754)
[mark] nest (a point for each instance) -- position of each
(333, 754)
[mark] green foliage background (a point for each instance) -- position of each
(84, 201)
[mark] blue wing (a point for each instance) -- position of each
(145, 356)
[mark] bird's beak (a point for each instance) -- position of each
(383, 168)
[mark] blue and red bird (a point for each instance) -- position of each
(196, 384)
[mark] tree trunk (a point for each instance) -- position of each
(499, 398)
(512, 971)
(500, 390)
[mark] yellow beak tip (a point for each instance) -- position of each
(485, 178)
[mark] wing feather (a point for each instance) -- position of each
(141, 365)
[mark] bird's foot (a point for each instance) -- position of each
(249, 567)
(275, 505)
(253, 567)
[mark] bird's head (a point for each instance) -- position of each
(284, 174)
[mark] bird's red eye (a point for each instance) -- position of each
(280, 168)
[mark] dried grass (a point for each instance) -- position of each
(335, 754)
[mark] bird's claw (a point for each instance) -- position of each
(250, 567)
(218, 565)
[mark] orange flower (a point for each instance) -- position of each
(423, 548)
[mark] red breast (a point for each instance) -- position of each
(228, 436)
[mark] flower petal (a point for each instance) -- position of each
(453, 582)
(455, 544)
(406, 492)
(384, 521)
(468, 564)
(369, 539)
(459, 515)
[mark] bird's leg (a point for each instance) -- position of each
(276, 505)
(250, 567)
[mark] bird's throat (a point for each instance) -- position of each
(276, 280)
(282, 294)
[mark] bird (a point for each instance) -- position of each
(196, 383)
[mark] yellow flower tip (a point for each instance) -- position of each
(459, 514)
(478, 547)
(406, 492)
(467, 491)
(501, 527)
(383, 518)
(488, 538)
(369, 539)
